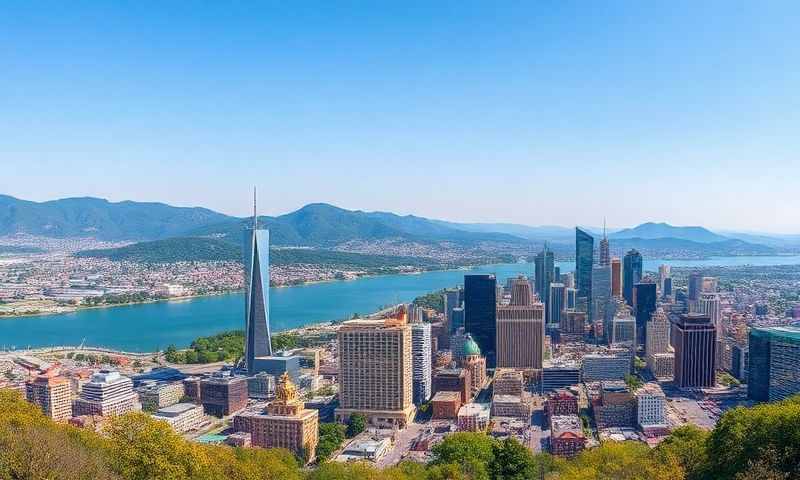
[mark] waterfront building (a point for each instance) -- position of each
(375, 370)
(658, 353)
(694, 341)
(566, 435)
(454, 380)
(774, 363)
(284, 423)
(584, 259)
(160, 395)
(107, 394)
(616, 277)
(520, 335)
(255, 248)
(651, 404)
(480, 312)
(606, 366)
(544, 264)
(445, 404)
(644, 306)
(51, 393)
(182, 417)
(421, 362)
(556, 304)
(223, 395)
(631, 274)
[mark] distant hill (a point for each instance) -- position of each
(101, 219)
(323, 225)
(196, 249)
(663, 230)
(672, 246)
(552, 233)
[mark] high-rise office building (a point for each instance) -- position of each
(774, 363)
(452, 299)
(480, 312)
(695, 285)
(605, 251)
(616, 277)
(573, 325)
(709, 285)
(52, 394)
(644, 297)
(555, 306)
(456, 319)
(256, 293)
(695, 343)
(376, 370)
(631, 274)
(571, 298)
(658, 353)
(544, 264)
(107, 394)
(622, 329)
(421, 362)
(521, 292)
(601, 293)
(663, 273)
(708, 304)
(667, 288)
(520, 336)
(584, 259)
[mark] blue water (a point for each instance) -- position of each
(152, 326)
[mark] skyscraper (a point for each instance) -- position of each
(660, 358)
(52, 394)
(694, 340)
(521, 293)
(256, 299)
(774, 370)
(376, 370)
(601, 293)
(605, 251)
(480, 312)
(556, 303)
(695, 284)
(421, 362)
(616, 277)
(520, 335)
(631, 274)
(584, 259)
(644, 307)
(663, 273)
(708, 304)
(452, 299)
(544, 264)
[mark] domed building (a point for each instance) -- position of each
(475, 363)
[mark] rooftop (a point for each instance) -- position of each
(566, 423)
(175, 410)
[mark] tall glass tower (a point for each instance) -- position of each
(255, 248)
(631, 274)
(584, 258)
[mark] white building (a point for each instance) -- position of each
(421, 362)
(651, 404)
(107, 393)
(182, 417)
(474, 417)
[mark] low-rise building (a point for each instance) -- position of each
(371, 449)
(511, 406)
(446, 404)
(566, 435)
(561, 402)
(182, 417)
(107, 394)
(454, 380)
(616, 406)
(474, 417)
(160, 395)
(508, 382)
(606, 366)
(223, 395)
(651, 404)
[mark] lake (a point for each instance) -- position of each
(151, 326)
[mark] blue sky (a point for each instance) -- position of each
(543, 112)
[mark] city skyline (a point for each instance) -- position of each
(677, 102)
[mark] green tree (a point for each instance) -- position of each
(687, 444)
(331, 436)
(356, 424)
(620, 461)
(511, 461)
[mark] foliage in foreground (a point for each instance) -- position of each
(760, 443)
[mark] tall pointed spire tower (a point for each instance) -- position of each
(605, 251)
(256, 281)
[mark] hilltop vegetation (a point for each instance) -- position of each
(761, 443)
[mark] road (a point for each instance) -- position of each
(402, 444)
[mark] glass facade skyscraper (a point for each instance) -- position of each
(645, 306)
(544, 275)
(631, 274)
(774, 370)
(480, 312)
(584, 259)
(256, 295)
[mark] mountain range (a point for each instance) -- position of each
(322, 225)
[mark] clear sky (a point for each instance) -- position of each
(536, 112)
